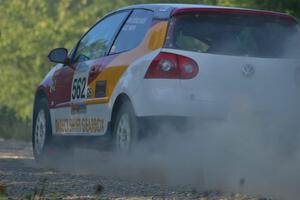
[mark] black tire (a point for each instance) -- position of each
(41, 153)
(52, 151)
(126, 110)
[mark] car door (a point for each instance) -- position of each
(71, 114)
(61, 84)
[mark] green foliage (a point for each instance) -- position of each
(29, 29)
(12, 126)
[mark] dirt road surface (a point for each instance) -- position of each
(22, 178)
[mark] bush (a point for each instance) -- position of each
(13, 127)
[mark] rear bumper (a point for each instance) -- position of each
(167, 98)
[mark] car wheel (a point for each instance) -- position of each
(41, 130)
(45, 148)
(125, 129)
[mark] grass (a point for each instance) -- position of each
(13, 127)
(17, 131)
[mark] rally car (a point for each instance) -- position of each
(155, 62)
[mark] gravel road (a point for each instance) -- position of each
(21, 177)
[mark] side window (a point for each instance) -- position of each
(133, 32)
(96, 42)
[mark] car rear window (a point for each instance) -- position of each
(235, 34)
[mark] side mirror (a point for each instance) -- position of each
(59, 55)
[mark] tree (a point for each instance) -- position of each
(29, 29)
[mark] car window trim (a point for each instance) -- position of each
(129, 11)
(118, 32)
(109, 52)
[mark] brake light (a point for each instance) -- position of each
(172, 66)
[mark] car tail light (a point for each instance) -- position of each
(172, 66)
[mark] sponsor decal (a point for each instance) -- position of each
(78, 108)
(79, 125)
(100, 90)
(132, 23)
(137, 20)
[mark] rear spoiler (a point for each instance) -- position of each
(180, 11)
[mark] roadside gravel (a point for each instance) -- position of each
(21, 178)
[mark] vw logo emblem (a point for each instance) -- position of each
(248, 70)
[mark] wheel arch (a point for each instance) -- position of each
(39, 94)
(121, 98)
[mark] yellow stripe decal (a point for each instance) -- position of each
(111, 74)
(97, 101)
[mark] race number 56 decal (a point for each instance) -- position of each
(79, 84)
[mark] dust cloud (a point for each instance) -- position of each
(242, 154)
